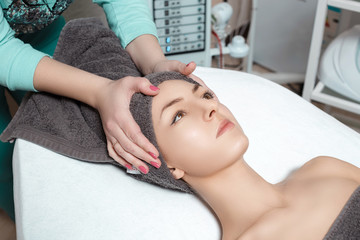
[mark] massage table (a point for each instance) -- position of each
(57, 197)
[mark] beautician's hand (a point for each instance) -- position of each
(125, 142)
(176, 66)
(148, 56)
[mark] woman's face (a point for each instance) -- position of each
(195, 132)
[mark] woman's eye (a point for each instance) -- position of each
(208, 95)
(177, 117)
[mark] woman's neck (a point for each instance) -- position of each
(238, 196)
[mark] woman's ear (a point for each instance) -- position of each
(176, 172)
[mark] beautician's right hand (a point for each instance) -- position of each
(125, 142)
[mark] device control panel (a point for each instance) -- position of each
(182, 25)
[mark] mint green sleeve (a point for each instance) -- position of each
(128, 18)
(18, 61)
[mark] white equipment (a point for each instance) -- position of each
(340, 64)
(220, 16)
(184, 29)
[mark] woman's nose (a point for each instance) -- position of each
(211, 108)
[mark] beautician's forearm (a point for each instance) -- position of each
(64, 80)
(146, 52)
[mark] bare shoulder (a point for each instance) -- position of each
(325, 166)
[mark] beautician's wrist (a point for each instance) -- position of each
(64, 80)
(149, 66)
(99, 92)
(146, 53)
(153, 66)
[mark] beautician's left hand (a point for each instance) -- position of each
(148, 57)
(176, 66)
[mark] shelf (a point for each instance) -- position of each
(324, 95)
(319, 92)
(350, 5)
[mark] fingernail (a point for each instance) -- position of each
(154, 88)
(152, 155)
(128, 166)
(155, 164)
(143, 170)
(188, 64)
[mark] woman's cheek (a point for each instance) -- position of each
(183, 143)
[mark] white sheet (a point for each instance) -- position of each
(60, 198)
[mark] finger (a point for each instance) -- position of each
(144, 143)
(116, 157)
(134, 145)
(188, 69)
(128, 133)
(131, 163)
(138, 144)
(143, 85)
(136, 163)
(180, 67)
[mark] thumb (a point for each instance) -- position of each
(182, 68)
(188, 68)
(144, 86)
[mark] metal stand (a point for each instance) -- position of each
(319, 92)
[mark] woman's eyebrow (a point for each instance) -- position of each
(195, 88)
(176, 100)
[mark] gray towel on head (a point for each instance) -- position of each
(140, 107)
(347, 224)
(70, 127)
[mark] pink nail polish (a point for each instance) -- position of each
(128, 166)
(143, 170)
(155, 164)
(152, 155)
(154, 88)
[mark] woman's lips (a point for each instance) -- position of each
(224, 126)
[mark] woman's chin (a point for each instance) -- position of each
(237, 147)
